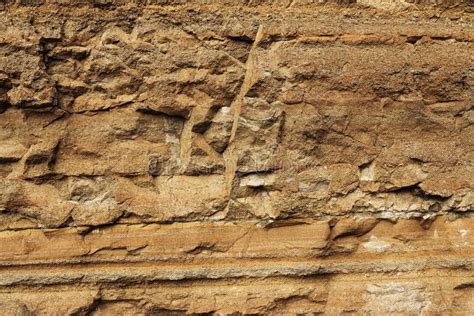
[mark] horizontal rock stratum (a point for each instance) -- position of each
(162, 157)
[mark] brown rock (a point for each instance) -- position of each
(11, 152)
(236, 157)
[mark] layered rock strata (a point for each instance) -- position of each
(236, 157)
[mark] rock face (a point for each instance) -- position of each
(234, 157)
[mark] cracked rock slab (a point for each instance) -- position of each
(236, 157)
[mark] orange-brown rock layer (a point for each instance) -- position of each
(255, 157)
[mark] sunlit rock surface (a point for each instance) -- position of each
(253, 157)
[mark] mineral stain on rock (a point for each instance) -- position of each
(236, 157)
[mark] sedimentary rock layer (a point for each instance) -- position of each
(269, 157)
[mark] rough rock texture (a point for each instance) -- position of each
(236, 156)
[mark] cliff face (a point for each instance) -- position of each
(273, 156)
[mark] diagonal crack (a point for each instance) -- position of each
(230, 154)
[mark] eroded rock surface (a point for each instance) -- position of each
(214, 156)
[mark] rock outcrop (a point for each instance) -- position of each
(236, 157)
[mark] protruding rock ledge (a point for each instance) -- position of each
(347, 243)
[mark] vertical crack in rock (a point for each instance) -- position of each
(251, 68)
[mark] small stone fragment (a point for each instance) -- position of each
(11, 152)
(258, 180)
